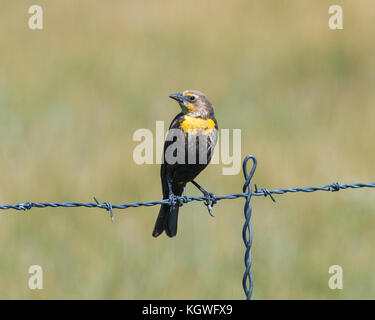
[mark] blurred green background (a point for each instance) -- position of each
(72, 95)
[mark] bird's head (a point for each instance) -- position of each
(194, 103)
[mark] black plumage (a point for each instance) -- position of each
(188, 149)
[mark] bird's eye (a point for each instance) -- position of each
(191, 98)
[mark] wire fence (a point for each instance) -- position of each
(209, 200)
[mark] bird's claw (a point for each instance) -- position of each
(172, 199)
(210, 211)
(175, 200)
(209, 202)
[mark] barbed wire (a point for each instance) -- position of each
(183, 199)
(209, 200)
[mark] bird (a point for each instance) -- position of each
(188, 149)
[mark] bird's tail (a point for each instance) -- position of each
(167, 219)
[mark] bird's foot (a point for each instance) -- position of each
(173, 200)
(209, 202)
(210, 197)
(176, 200)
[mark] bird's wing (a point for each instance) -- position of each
(175, 121)
(163, 169)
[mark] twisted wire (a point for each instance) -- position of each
(184, 199)
(247, 231)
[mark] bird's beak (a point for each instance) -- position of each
(177, 96)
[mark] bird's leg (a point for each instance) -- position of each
(211, 199)
(172, 196)
(169, 181)
(200, 188)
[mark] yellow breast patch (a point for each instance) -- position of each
(193, 125)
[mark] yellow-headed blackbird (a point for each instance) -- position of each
(188, 149)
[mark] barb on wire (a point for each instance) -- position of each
(209, 200)
(107, 206)
(265, 192)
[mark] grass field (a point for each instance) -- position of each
(72, 95)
